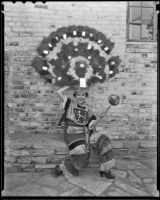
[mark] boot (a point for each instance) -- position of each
(106, 174)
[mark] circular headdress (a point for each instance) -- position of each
(76, 52)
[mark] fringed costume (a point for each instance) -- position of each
(71, 56)
(76, 122)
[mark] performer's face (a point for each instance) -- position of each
(81, 97)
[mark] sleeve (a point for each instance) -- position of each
(91, 121)
(92, 118)
(65, 103)
(89, 125)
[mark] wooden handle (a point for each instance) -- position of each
(98, 120)
(108, 108)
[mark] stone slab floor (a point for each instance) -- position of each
(133, 177)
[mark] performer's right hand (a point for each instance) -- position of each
(61, 91)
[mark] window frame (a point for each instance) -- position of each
(154, 23)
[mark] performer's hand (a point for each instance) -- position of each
(60, 92)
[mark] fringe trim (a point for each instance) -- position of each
(66, 173)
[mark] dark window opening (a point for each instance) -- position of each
(142, 21)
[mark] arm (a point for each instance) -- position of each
(61, 91)
(95, 122)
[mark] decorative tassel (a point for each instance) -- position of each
(50, 45)
(99, 41)
(106, 48)
(43, 46)
(64, 36)
(45, 52)
(45, 68)
(113, 63)
(74, 33)
(59, 78)
(89, 46)
(82, 65)
(83, 33)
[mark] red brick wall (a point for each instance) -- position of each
(33, 104)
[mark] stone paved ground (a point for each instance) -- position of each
(134, 177)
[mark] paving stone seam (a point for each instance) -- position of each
(142, 183)
(79, 187)
(107, 190)
(124, 190)
(132, 193)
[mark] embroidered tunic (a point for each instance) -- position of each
(76, 120)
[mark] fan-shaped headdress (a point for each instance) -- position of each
(73, 54)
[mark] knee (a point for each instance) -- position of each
(103, 144)
(103, 139)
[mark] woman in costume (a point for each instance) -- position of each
(79, 123)
(66, 56)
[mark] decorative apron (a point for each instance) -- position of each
(76, 119)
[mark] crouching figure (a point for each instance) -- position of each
(78, 122)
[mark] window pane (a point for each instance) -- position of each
(147, 3)
(135, 3)
(147, 14)
(147, 32)
(134, 32)
(135, 14)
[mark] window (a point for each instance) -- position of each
(142, 21)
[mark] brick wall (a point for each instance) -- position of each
(32, 104)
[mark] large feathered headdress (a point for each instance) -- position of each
(76, 53)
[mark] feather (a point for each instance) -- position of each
(114, 67)
(68, 51)
(43, 46)
(61, 32)
(37, 63)
(108, 44)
